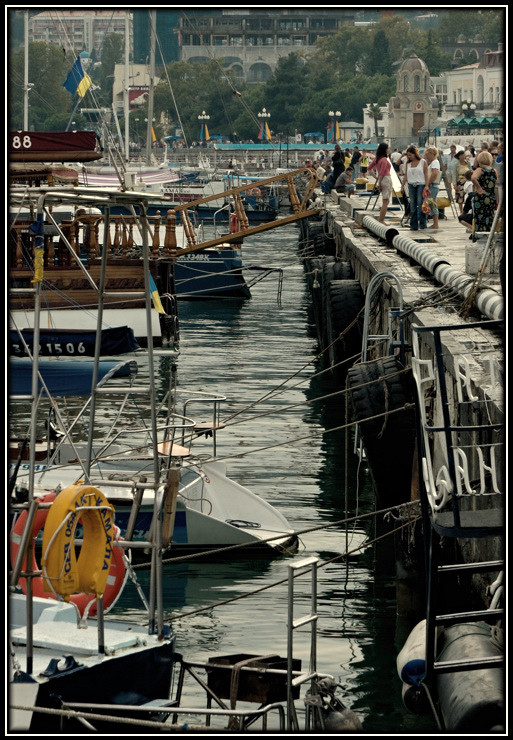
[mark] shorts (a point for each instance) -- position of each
(386, 187)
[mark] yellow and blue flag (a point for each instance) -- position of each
(77, 81)
(157, 305)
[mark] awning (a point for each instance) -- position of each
(476, 122)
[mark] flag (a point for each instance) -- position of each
(77, 80)
(267, 132)
(331, 131)
(261, 131)
(157, 305)
(207, 135)
(337, 132)
(153, 137)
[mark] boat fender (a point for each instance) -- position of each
(111, 580)
(411, 661)
(234, 223)
(411, 667)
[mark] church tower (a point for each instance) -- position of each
(414, 106)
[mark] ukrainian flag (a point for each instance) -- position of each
(77, 81)
(157, 305)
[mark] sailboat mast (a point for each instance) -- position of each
(126, 86)
(26, 86)
(149, 130)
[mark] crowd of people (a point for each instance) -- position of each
(475, 180)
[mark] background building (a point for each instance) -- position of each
(76, 30)
(250, 42)
(167, 48)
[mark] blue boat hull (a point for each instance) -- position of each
(210, 274)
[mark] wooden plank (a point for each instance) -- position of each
(228, 238)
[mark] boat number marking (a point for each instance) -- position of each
(54, 348)
(19, 143)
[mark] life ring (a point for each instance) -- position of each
(111, 579)
(234, 223)
(255, 191)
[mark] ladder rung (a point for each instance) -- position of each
(304, 620)
(454, 666)
(474, 616)
(124, 294)
(303, 678)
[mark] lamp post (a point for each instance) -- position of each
(335, 114)
(264, 115)
(468, 108)
(203, 117)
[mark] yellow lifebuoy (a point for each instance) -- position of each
(63, 573)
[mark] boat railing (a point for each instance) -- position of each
(81, 235)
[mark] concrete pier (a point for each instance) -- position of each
(453, 337)
(442, 285)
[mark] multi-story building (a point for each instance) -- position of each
(76, 30)
(250, 42)
(167, 47)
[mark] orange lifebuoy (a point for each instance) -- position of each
(85, 602)
(255, 191)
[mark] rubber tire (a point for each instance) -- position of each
(315, 267)
(389, 442)
(344, 302)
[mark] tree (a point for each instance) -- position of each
(111, 54)
(379, 60)
(376, 115)
(48, 69)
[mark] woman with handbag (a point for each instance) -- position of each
(417, 177)
(431, 157)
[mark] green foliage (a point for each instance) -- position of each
(103, 75)
(48, 70)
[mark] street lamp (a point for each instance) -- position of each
(263, 115)
(468, 107)
(336, 131)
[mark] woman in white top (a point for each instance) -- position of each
(431, 157)
(417, 178)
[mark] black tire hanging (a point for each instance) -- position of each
(344, 302)
(389, 441)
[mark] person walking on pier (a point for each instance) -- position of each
(417, 177)
(484, 178)
(460, 168)
(431, 157)
(380, 168)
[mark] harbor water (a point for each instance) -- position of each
(262, 355)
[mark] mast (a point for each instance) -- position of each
(126, 86)
(26, 86)
(149, 130)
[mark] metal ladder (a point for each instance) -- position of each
(292, 625)
(459, 479)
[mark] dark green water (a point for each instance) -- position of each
(262, 353)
